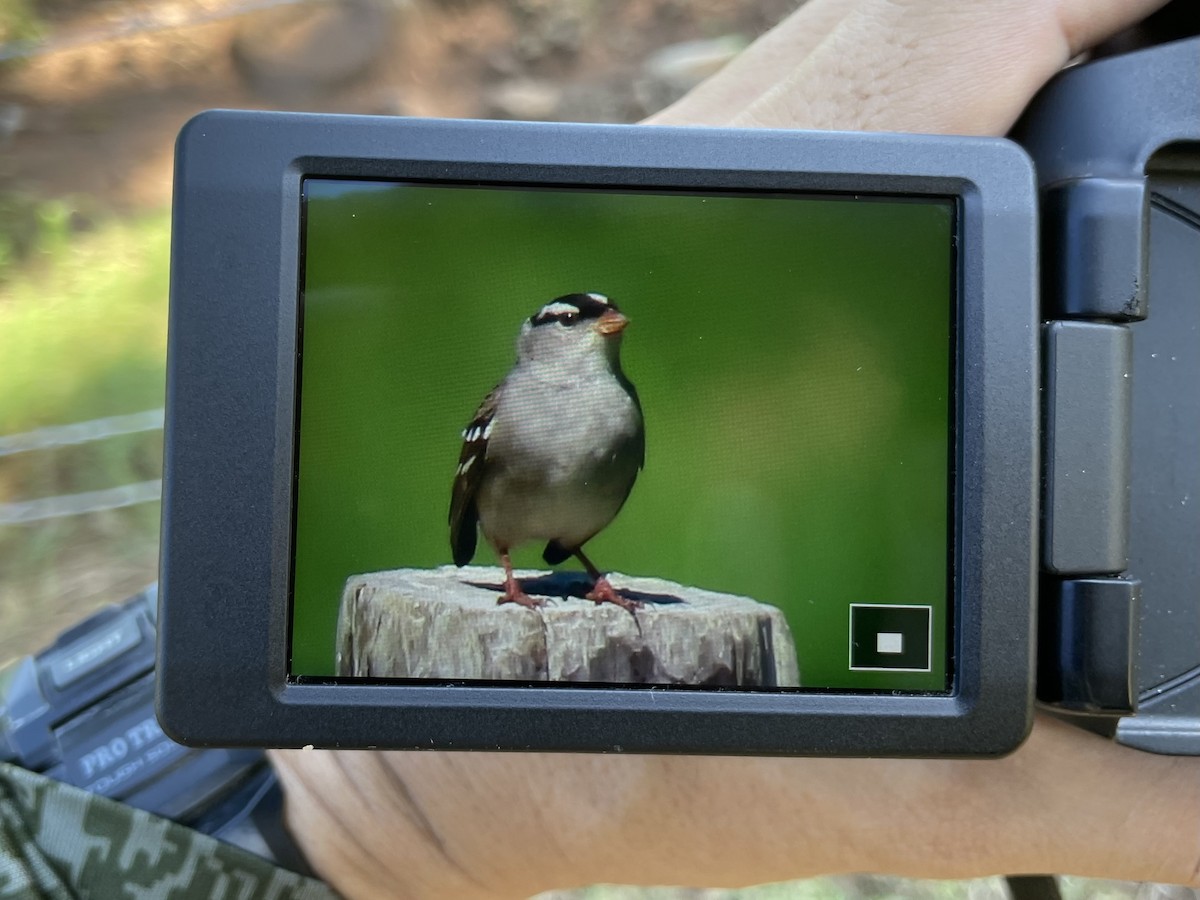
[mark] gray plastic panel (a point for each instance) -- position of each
(1086, 461)
(1106, 119)
(1093, 624)
(1165, 523)
(1168, 719)
(1094, 249)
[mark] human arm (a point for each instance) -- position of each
(430, 825)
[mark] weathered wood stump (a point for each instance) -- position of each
(445, 624)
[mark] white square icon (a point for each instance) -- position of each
(891, 637)
(889, 642)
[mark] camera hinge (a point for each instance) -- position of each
(1094, 254)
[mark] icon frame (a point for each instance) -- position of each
(928, 639)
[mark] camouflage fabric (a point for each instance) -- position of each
(60, 843)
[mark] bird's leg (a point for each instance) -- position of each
(512, 588)
(602, 591)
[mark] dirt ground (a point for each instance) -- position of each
(95, 108)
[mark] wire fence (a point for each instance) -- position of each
(65, 505)
(81, 432)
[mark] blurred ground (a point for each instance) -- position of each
(98, 116)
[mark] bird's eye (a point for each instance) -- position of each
(569, 318)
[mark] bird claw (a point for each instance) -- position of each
(521, 598)
(603, 592)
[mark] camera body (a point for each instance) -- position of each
(81, 711)
(1115, 144)
(327, 295)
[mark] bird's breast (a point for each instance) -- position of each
(560, 464)
(566, 434)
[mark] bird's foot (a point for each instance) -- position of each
(603, 592)
(514, 594)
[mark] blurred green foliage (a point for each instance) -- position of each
(31, 228)
(792, 356)
(82, 318)
(19, 21)
(83, 308)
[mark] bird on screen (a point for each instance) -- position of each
(554, 449)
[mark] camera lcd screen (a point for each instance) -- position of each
(738, 408)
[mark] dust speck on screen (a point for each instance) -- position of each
(624, 437)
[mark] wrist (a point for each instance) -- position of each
(446, 825)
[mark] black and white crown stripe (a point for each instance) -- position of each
(569, 308)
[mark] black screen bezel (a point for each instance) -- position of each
(224, 628)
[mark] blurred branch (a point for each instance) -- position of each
(147, 21)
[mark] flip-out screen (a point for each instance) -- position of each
(624, 437)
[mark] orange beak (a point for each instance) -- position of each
(612, 322)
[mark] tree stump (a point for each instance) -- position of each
(445, 624)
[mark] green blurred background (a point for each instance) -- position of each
(792, 356)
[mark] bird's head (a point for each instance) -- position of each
(578, 331)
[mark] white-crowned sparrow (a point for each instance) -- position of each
(554, 449)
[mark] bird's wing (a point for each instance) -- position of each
(463, 514)
(641, 436)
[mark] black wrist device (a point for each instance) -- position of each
(81, 711)
(899, 420)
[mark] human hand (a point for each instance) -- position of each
(928, 66)
(482, 825)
